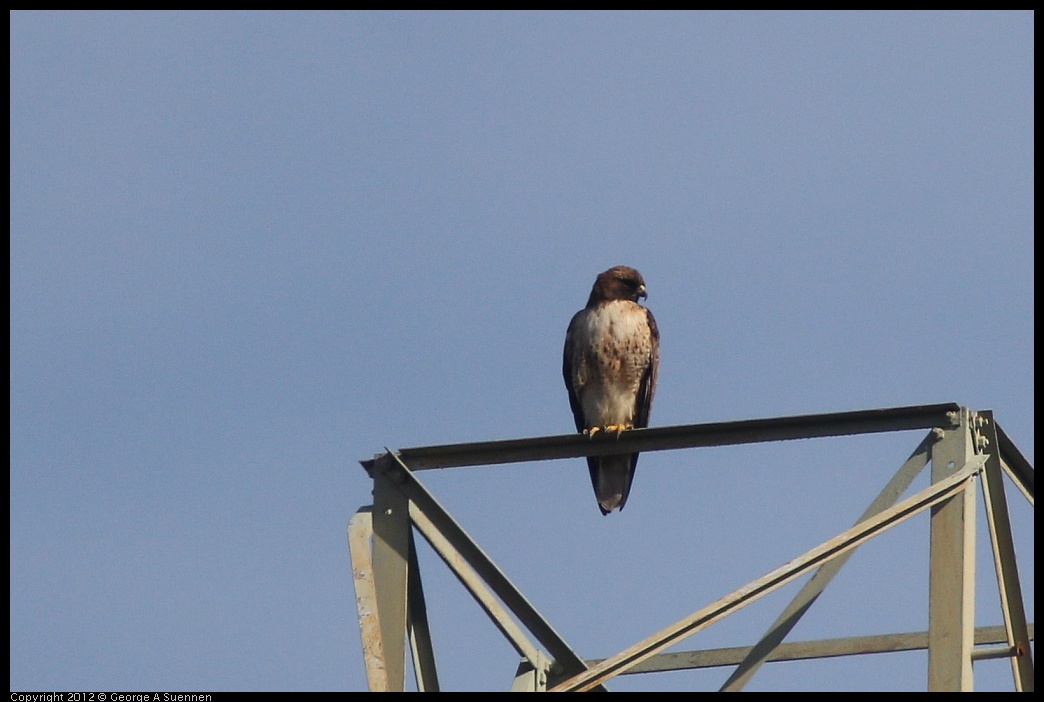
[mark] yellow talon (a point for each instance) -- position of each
(609, 429)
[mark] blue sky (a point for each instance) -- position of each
(250, 249)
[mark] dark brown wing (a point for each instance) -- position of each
(574, 401)
(647, 388)
(567, 374)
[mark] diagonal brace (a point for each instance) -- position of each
(762, 650)
(423, 502)
(839, 545)
(1008, 583)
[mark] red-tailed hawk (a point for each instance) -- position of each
(612, 351)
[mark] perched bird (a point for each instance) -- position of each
(612, 351)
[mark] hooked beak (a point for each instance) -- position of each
(642, 294)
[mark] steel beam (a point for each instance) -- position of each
(1016, 465)
(1012, 608)
(424, 670)
(762, 650)
(807, 650)
(951, 568)
(474, 585)
(684, 436)
(391, 605)
(531, 675)
(360, 530)
(391, 531)
(940, 491)
(391, 468)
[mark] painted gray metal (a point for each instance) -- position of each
(531, 675)
(940, 491)
(360, 530)
(747, 431)
(1015, 463)
(821, 648)
(1008, 582)
(475, 585)
(388, 580)
(391, 530)
(951, 569)
(391, 471)
(788, 619)
(424, 669)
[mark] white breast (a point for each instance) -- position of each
(613, 347)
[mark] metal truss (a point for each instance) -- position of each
(964, 448)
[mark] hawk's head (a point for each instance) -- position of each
(617, 283)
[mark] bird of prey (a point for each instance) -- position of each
(612, 351)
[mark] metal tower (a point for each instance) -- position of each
(964, 447)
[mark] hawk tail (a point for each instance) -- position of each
(611, 477)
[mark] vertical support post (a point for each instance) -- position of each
(951, 578)
(360, 529)
(391, 531)
(1008, 584)
(417, 621)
